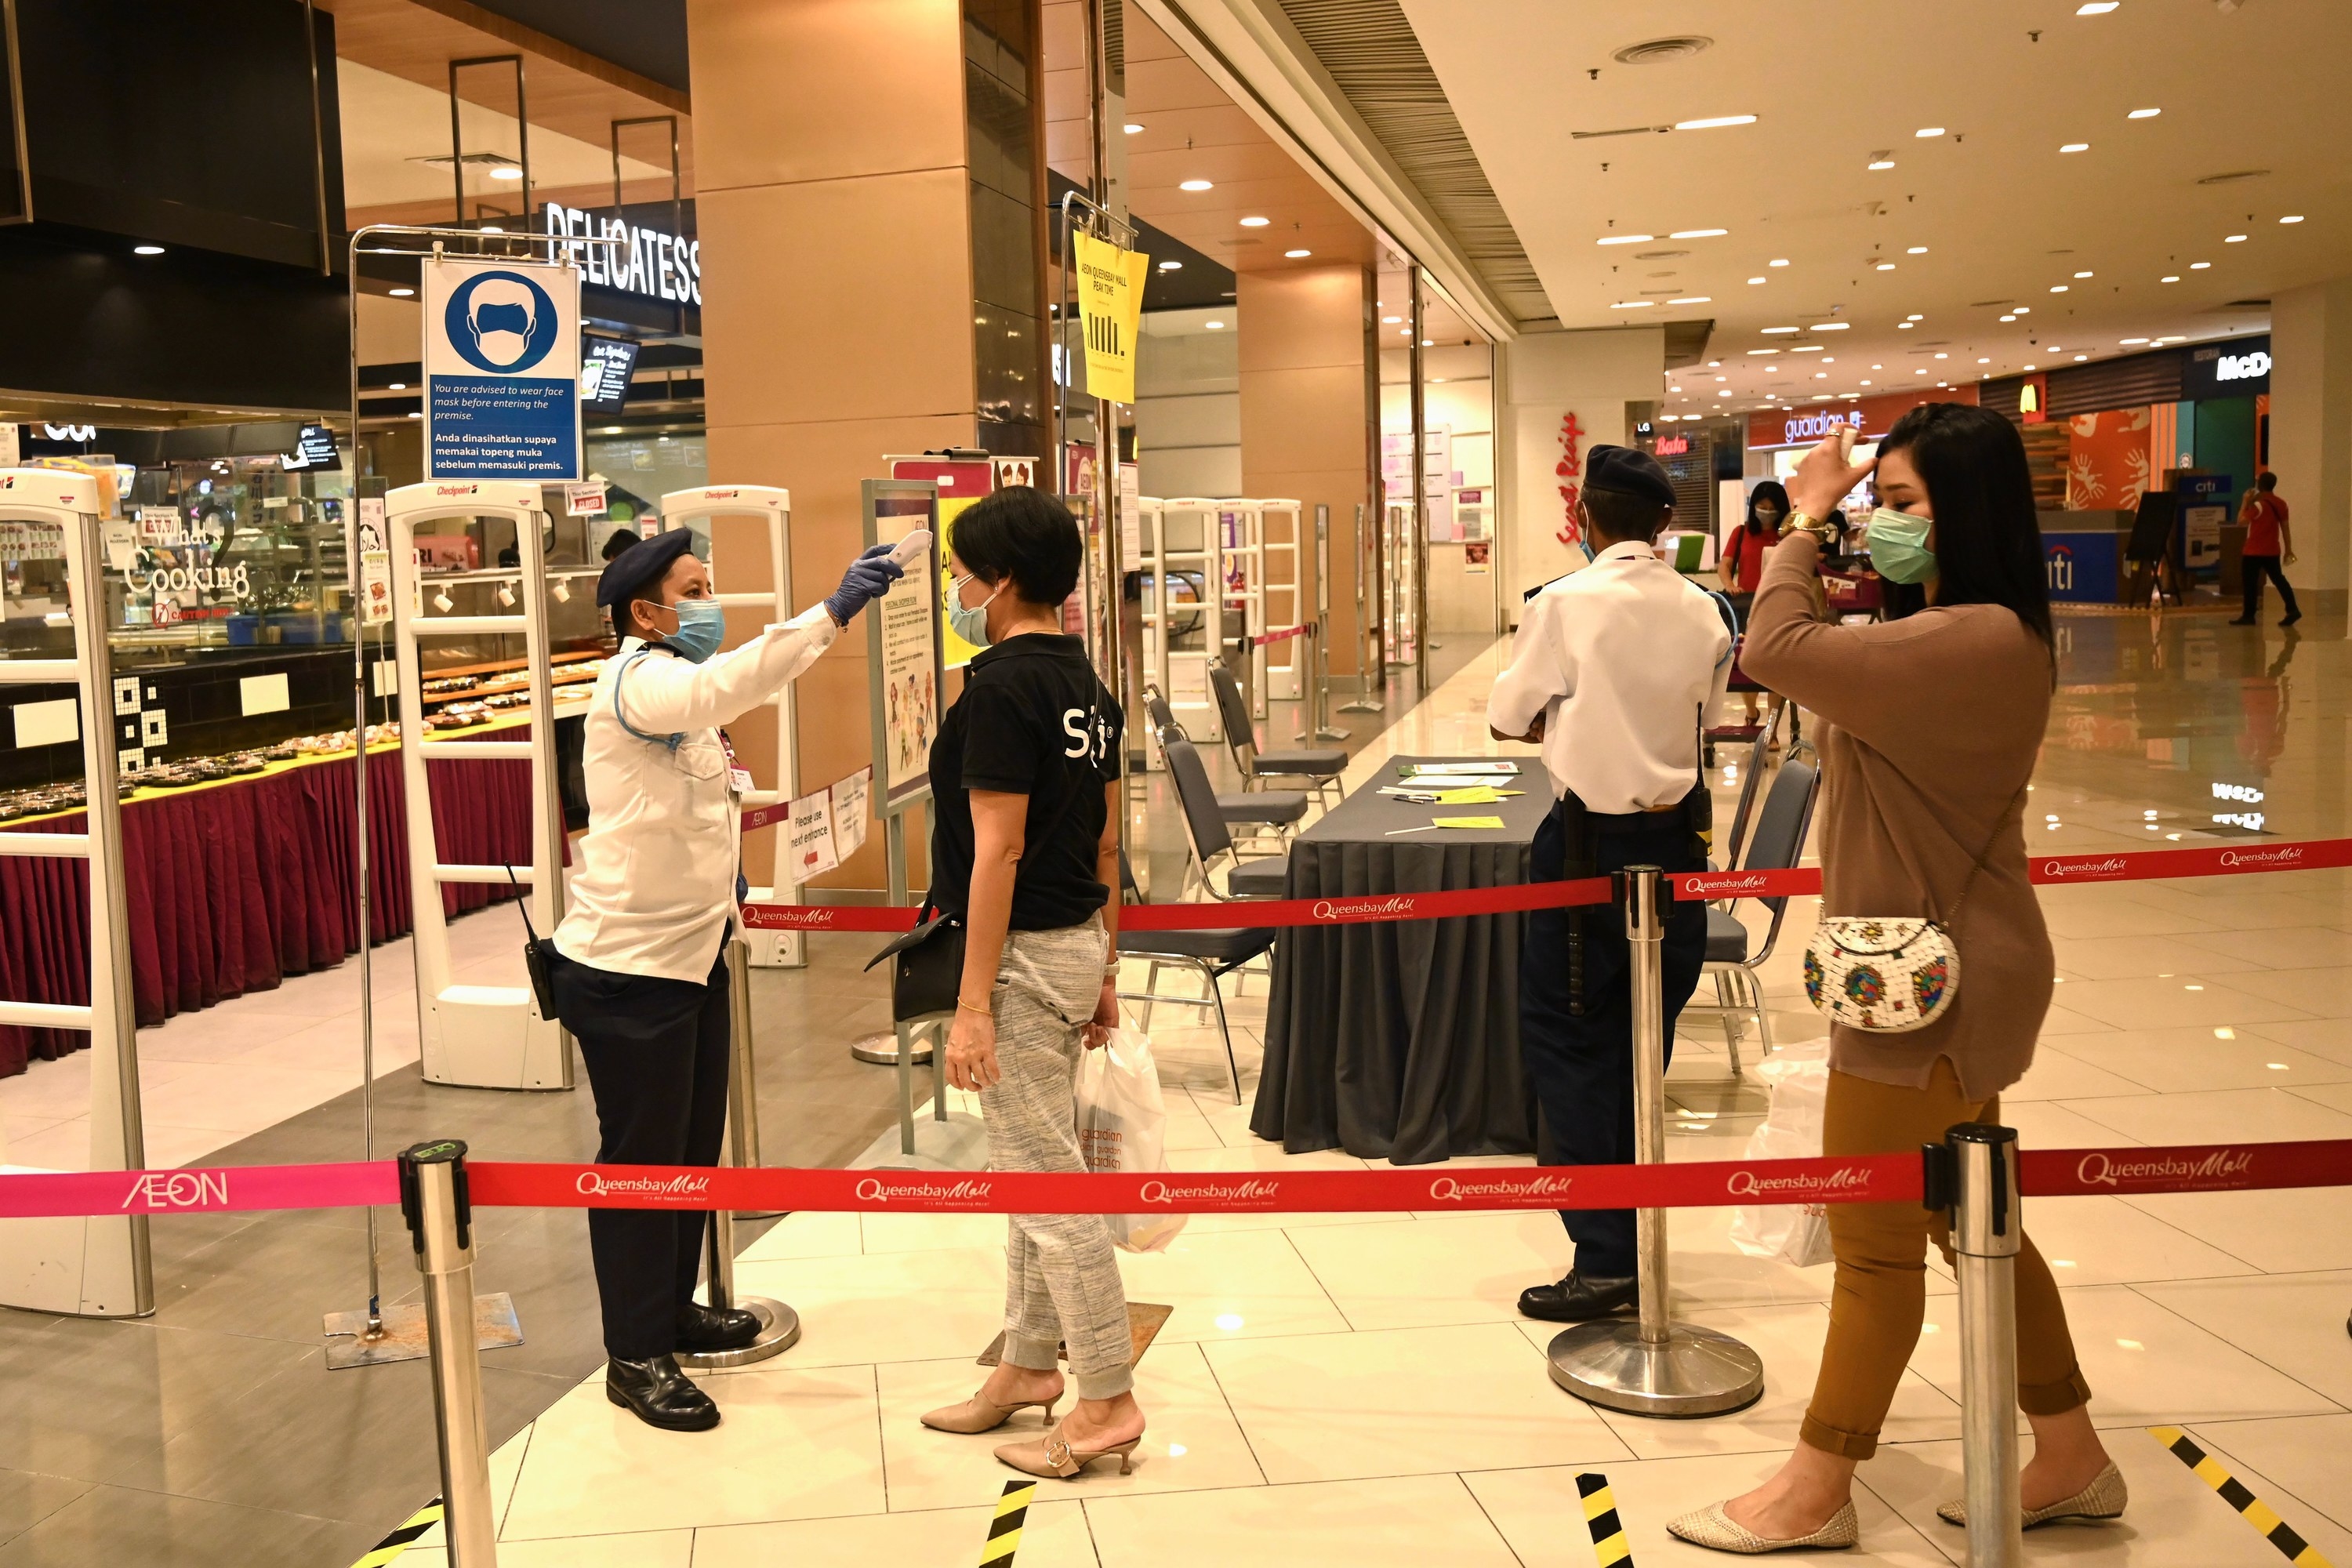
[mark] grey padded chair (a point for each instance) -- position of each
(1276, 812)
(1319, 766)
(1206, 835)
(1780, 830)
(1214, 955)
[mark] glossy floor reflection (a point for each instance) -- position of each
(1357, 1388)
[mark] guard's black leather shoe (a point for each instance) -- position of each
(702, 1329)
(659, 1395)
(1577, 1297)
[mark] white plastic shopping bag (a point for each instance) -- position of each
(1793, 1233)
(1123, 1126)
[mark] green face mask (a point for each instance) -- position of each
(1898, 547)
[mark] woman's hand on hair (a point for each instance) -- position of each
(972, 1051)
(1824, 479)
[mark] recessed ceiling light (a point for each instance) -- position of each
(1171, 267)
(2082, 274)
(2096, 8)
(396, 387)
(505, 172)
(1633, 304)
(146, 250)
(1806, 348)
(1921, 370)
(492, 228)
(1625, 240)
(1429, 342)
(1865, 381)
(1256, 221)
(1832, 326)
(2028, 367)
(1916, 251)
(1886, 267)
(2081, 357)
(1879, 163)
(1763, 350)
(1698, 232)
(1194, 185)
(1905, 326)
(2058, 287)
(1691, 300)
(2198, 266)
(1714, 123)
(2295, 218)
(1294, 255)
(1215, 326)
(1927, 130)
(2234, 239)
(2131, 339)
(1768, 330)
(1391, 320)
(2009, 318)
(414, 413)
(1756, 280)
(2143, 114)
(2076, 147)
(404, 293)
(1941, 355)
(1132, 126)
(2023, 309)
(1983, 360)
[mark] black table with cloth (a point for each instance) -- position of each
(1399, 1040)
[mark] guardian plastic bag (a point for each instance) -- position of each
(1792, 1233)
(1123, 1126)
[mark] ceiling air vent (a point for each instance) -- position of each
(1620, 131)
(2247, 305)
(2233, 176)
(1658, 255)
(1659, 51)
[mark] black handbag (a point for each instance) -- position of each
(928, 975)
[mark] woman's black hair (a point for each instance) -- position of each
(1988, 537)
(1024, 534)
(1771, 490)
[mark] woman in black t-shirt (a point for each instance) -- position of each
(1024, 854)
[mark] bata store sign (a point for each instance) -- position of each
(1867, 417)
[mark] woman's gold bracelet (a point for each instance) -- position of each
(974, 1007)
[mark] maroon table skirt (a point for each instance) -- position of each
(234, 887)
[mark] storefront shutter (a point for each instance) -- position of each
(2129, 382)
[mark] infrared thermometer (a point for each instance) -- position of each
(912, 548)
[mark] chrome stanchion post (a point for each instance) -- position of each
(1651, 1366)
(1978, 1181)
(780, 1326)
(433, 1199)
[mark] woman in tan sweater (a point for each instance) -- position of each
(1932, 724)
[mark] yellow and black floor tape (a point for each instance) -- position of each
(1004, 1530)
(382, 1554)
(1610, 1547)
(2258, 1513)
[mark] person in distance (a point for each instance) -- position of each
(639, 966)
(1931, 725)
(1024, 854)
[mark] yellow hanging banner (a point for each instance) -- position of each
(1110, 304)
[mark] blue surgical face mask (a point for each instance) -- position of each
(701, 627)
(970, 622)
(1898, 547)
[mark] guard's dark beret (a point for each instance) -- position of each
(1629, 472)
(640, 566)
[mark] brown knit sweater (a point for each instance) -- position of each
(1933, 723)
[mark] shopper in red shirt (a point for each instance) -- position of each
(1741, 562)
(2269, 542)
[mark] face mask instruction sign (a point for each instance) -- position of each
(501, 370)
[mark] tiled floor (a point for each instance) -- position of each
(1358, 1389)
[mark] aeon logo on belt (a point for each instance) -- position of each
(2075, 870)
(2223, 1167)
(157, 1190)
(1258, 1194)
(1454, 1189)
(1798, 1189)
(1399, 908)
(684, 1190)
(966, 1193)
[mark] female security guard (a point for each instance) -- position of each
(639, 974)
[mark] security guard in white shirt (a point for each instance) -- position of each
(639, 972)
(1613, 670)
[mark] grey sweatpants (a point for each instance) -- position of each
(1062, 1283)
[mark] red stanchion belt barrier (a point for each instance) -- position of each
(2142, 864)
(1864, 1178)
(1284, 636)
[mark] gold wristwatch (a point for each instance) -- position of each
(1812, 525)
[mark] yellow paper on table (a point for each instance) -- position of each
(1467, 822)
(1110, 303)
(1477, 795)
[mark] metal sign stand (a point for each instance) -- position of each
(1651, 1365)
(1370, 678)
(1974, 1172)
(433, 1199)
(1320, 726)
(95, 1265)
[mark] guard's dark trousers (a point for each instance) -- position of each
(1581, 1069)
(657, 1053)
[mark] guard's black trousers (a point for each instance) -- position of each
(657, 1054)
(1581, 1069)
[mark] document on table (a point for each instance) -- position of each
(1441, 822)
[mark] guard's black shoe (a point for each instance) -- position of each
(1577, 1297)
(2241, 621)
(702, 1329)
(659, 1395)
(2290, 620)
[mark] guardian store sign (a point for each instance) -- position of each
(501, 370)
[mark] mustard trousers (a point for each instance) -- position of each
(1881, 1291)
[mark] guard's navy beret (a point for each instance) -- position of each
(1628, 471)
(640, 566)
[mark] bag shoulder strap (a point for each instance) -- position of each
(671, 739)
(1977, 865)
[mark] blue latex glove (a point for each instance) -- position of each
(868, 577)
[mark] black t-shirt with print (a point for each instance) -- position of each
(1033, 719)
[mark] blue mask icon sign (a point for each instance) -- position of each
(502, 322)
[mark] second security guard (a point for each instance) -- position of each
(1614, 671)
